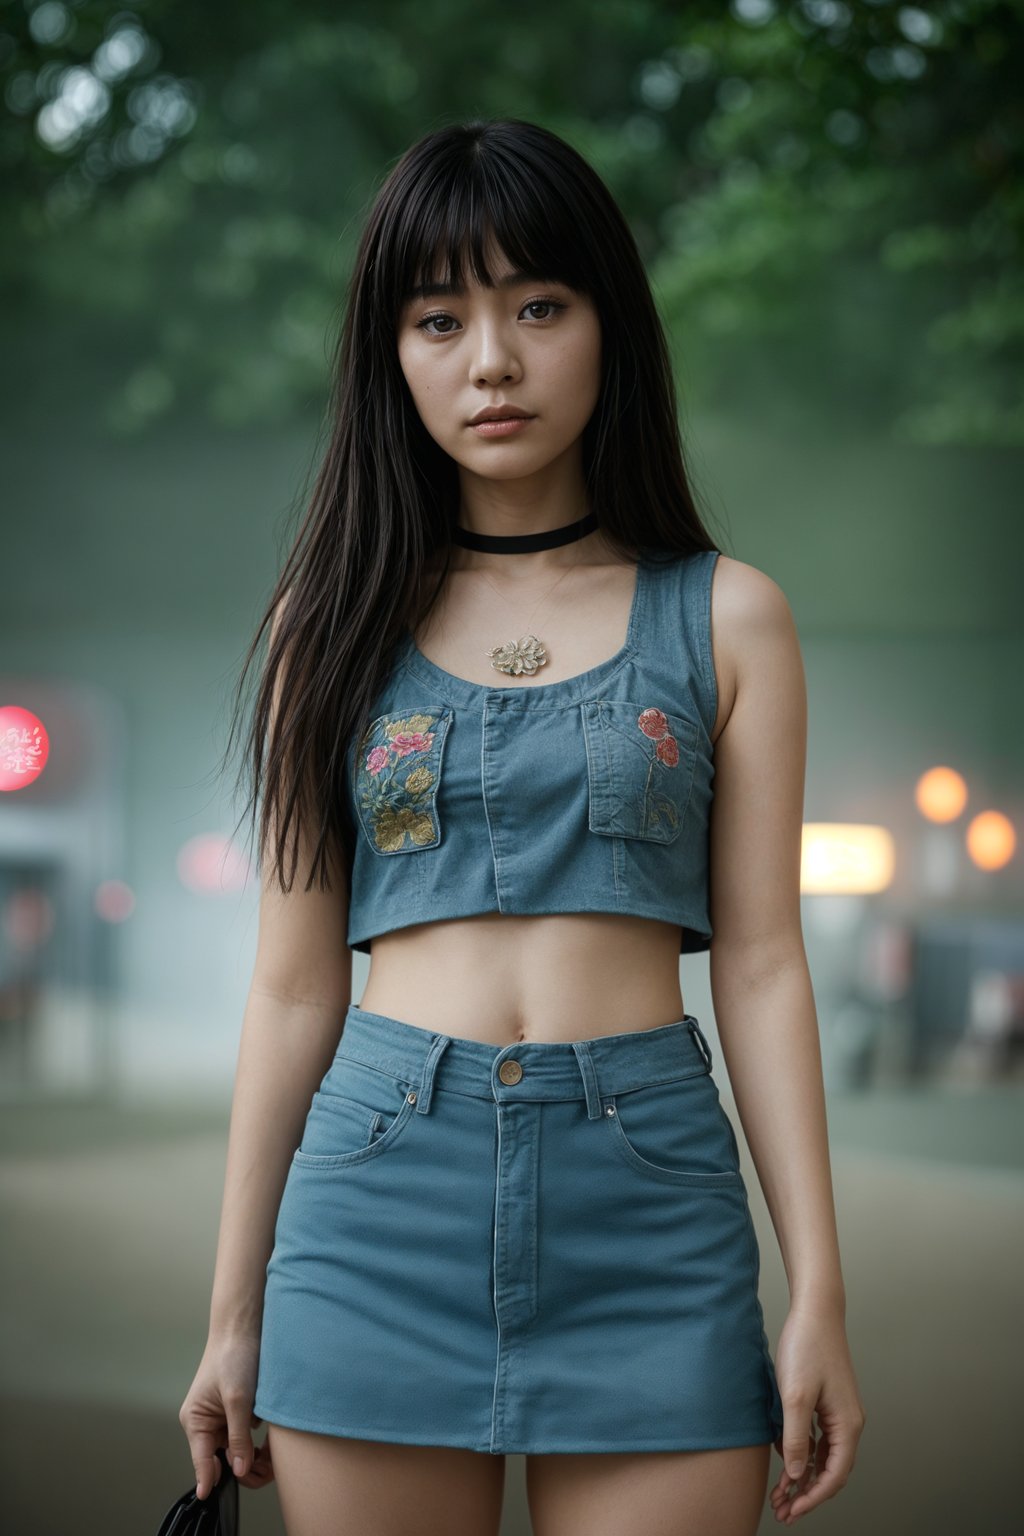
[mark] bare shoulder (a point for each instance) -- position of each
(750, 618)
(746, 598)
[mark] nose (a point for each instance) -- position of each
(495, 358)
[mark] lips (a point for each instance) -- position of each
(510, 426)
(500, 413)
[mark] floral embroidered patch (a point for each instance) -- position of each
(640, 769)
(397, 777)
(654, 724)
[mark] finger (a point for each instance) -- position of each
(262, 1470)
(239, 1447)
(832, 1477)
(203, 1446)
(788, 1487)
(793, 1453)
(797, 1442)
(821, 1456)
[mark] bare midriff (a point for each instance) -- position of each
(503, 978)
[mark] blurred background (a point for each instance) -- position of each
(828, 198)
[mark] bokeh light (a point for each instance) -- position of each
(941, 794)
(113, 901)
(210, 864)
(24, 747)
(991, 840)
(27, 918)
(845, 858)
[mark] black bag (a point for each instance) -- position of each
(216, 1515)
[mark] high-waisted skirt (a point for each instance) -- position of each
(537, 1247)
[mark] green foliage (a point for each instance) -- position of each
(827, 194)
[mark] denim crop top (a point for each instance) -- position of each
(591, 794)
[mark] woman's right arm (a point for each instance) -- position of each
(294, 1014)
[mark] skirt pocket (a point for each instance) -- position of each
(357, 1113)
(675, 1131)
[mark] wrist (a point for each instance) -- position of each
(824, 1297)
(236, 1322)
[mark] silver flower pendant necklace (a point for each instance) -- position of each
(528, 653)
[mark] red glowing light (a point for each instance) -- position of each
(113, 901)
(28, 918)
(210, 863)
(24, 747)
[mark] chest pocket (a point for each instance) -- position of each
(640, 763)
(397, 773)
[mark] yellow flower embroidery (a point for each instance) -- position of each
(391, 825)
(419, 780)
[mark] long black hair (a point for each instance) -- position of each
(386, 496)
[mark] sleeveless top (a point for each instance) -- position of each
(591, 794)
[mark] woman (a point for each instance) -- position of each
(497, 1205)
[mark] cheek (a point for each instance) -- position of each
(428, 390)
(414, 375)
(580, 352)
(590, 361)
(576, 380)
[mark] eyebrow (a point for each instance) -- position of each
(451, 291)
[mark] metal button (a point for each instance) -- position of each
(411, 1097)
(610, 1109)
(510, 1072)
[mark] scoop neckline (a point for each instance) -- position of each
(460, 690)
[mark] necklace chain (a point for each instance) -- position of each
(528, 652)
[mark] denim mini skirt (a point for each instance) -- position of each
(537, 1247)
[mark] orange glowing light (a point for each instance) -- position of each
(991, 840)
(941, 794)
(24, 747)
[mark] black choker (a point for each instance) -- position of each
(523, 543)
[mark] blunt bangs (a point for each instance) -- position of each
(442, 228)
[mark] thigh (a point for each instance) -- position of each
(660, 1493)
(331, 1486)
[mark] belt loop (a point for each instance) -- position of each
(426, 1088)
(701, 1042)
(589, 1075)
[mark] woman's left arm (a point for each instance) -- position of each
(765, 1016)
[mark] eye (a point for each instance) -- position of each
(421, 325)
(551, 304)
(554, 305)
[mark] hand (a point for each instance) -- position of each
(815, 1374)
(218, 1413)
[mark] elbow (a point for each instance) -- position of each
(751, 963)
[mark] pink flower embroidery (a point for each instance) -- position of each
(654, 724)
(377, 759)
(404, 742)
